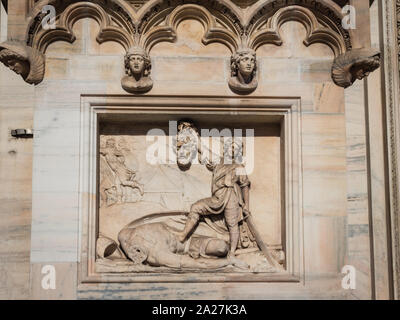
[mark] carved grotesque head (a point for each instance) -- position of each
(363, 69)
(243, 63)
(15, 62)
(23, 60)
(186, 143)
(354, 64)
(137, 62)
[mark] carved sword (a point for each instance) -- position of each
(264, 249)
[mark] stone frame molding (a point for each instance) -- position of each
(286, 111)
(390, 45)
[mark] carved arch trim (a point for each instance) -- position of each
(75, 12)
(327, 13)
(168, 32)
(315, 32)
(116, 22)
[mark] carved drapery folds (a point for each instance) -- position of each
(241, 30)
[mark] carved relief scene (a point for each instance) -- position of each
(234, 149)
(195, 211)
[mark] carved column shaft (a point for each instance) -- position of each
(383, 126)
(390, 75)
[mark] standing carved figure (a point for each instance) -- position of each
(123, 176)
(137, 69)
(230, 193)
(243, 71)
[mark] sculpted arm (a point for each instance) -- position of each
(245, 187)
(204, 158)
(246, 198)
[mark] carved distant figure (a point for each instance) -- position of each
(119, 174)
(137, 69)
(28, 62)
(353, 65)
(243, 71)
(157, 245)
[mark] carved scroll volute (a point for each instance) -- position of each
(26, 61)
(137, 69)
(354, 64)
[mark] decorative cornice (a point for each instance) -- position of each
(154, 21)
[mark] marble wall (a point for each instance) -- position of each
(335, 217)
(179, 68)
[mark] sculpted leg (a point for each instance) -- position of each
(234, 238)
(193, 219)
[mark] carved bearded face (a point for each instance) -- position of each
(246, 64)
(136, 64)
(186, 147)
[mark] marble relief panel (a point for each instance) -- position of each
(158, 198)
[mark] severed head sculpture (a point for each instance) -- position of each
(137, 69)
(186, 144)
(26, 61)
(354, 65)
(243, 71)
